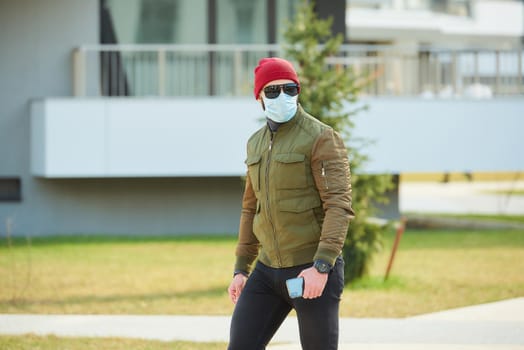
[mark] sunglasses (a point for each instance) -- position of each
(272, 91)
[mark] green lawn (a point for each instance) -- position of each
(506, 192)
(437, 270)
(476, 217)
(32, 342)
(434, 270)
(99, 275)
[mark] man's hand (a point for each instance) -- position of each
(236, 286)
(314, 282)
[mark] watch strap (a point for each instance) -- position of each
(242, 272)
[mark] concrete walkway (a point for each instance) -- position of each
(496, 326)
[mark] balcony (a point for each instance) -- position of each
(227, 70)
(140, 137)
(165, 111)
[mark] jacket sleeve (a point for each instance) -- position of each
(248, 245)
(330, 167)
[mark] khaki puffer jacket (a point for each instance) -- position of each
(297, 200)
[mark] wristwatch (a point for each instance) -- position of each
(322, 266)
(242, 272)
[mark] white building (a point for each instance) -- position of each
(131, 116)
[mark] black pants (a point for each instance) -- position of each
(264, 304)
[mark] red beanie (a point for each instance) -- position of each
(273, 68)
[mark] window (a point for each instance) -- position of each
(180, 72)
(241, 22)
(157, 21)
(285, 12)
(10, 190)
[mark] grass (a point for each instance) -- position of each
(433, 270)
(31, 342)
(117, 275)
(436, 270)
(477, 217)
(506, 192)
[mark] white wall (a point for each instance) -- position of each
(36, 41)
(141, 137)
(202, 137)
(439, 135)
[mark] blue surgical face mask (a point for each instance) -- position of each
(280, 109)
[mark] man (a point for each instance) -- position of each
(295, 214)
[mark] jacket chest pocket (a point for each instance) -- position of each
(289, 171)
(253, 167)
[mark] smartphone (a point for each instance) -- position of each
(295, 287)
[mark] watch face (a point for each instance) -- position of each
(321, 267)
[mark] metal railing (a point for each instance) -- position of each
(227, 70)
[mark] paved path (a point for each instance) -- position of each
(498, 326)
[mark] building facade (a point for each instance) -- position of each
(131, 117)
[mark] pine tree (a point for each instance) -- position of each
(326, 91)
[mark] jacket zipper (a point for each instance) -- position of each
(324, 176)
(275, 240)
